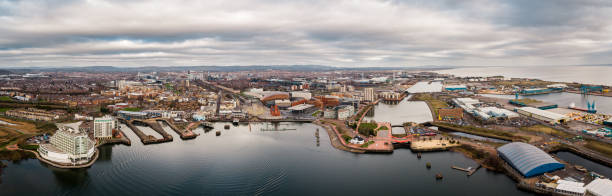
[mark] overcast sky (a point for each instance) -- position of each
(326, 32)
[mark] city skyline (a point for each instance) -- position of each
(339, 33)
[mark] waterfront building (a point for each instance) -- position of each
(527, 159)
(557, 87)
(344, 111)
(330, 113)
(494, 112)
(536, 91)
(599, 187)
(468, 104)
(455, 88)
(570, 188)
(357, 140)
(68, 146)
(33, 114)
(550, 117)
(103, 127)
(301, 94)
(301, 108)
(133, 115)
(284, 103)
(390, 95)
(369, 94)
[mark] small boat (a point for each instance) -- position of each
(235, 121)
(439, 176)
(428, 165)
(218, 133)
(419, 155)
(226, 126)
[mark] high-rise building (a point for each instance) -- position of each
(68, 146)
(369, 94)
(121, 84)
(103, 127)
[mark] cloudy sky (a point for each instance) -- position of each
(325, 32)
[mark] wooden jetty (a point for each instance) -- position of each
(469, 170)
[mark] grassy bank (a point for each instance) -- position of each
(365, 145)
(482, 132)
(489, 161)
(601, 147)
(436, 104)
(367, 128)
(546, 130)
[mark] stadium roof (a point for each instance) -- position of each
(300, 107)
(527, 159)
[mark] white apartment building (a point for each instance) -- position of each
(369, 94)
(68, 146)
(103, 127)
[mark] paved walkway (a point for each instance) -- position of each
(89, 164)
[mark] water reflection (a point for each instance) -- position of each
(397, 114)
(105, 153)
(68, 178)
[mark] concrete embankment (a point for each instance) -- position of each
(67, 166)
(336, 139)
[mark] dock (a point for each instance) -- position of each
(184, 134)
(469, 170)
(145, 139)
(157, 128)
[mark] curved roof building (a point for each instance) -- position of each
(527, 159)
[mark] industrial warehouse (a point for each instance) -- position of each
(527, 159)
(550, 117)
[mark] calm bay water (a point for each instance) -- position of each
(590, 165)
(582, 74)
(254, 161)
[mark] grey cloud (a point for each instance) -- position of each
(343, 33)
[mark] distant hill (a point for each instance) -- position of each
(5, 72)
(216, 68)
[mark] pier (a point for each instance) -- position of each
(184, 134)
(469, 170)
(146, 139)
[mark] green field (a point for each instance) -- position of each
(367, 128)
(5, 98)
(132, 109)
